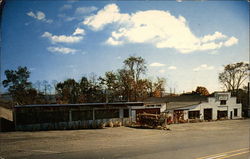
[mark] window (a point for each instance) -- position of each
(36, 117)
(150, 106)
(193, 114)
(235, 112)
(125, 113)
(82, 115)
(222, 114)
(223, 102)
(106, 113)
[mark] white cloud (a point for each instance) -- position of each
(66, 18)
(162, 71)
(85, 10)
(39, 16)
(109, 14)
(79, 31)
(203, 67)
(62, 50)
(66, 7)
(156, 27)
(172, 67)
(156, 64)
(62, 38)
(111, 41)
(79, 14)
(215, 36)
(231, 41)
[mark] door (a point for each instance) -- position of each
(133, 113)
(231, 114)
(208, 114)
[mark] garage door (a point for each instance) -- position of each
(208, 114)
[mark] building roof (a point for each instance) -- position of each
(178, 102)
(83, 105)
(181, 98)
(181, 105)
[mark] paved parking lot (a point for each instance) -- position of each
(206, 140)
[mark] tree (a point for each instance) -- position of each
(233, 76)
(142, 89)
(243, 98)
(68, 91)
(46, 87)
(95, 92)
(38, 85)
(125, 83)
(159, 87)
(202, 91)
(19, 87)
(135, 67)
(84, 89)
(54, 83)
(111, 86)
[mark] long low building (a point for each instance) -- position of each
(72, 116)
(76, 116)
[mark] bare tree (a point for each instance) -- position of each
(38, 85)
(136, 65)
(233, 76)
(54, 83)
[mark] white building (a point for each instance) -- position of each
(187, 108)
(221, 106)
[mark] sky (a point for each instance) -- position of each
(188, 43)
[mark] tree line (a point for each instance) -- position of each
(125, 84)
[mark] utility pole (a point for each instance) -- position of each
(2, 2)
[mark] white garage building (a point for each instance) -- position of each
(221, 106)
(188, 108)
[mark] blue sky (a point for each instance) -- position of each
(186, 42)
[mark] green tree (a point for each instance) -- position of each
(111, 85)
(19, 87)
(68, 91)
(95, 92)
(84, 89)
